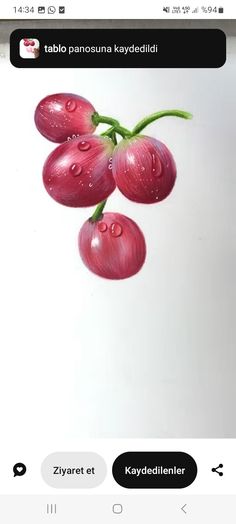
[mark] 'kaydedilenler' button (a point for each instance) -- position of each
(154, 469)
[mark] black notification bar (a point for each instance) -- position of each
(118, 48)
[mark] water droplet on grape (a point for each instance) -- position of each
(110, 166)
(75, 169)
(102, 227)
(116, 229)
(90, 185)
(70, 105)
(156, 166)
(84, 146)
(153, 163)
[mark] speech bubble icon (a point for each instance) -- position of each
(19, 469)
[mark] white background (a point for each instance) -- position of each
(151, 356)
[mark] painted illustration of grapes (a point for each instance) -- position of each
(29, 48)
(86, 168)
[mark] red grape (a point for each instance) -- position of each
(113, 247)
(62, 115)
(144, 169)
(78, 173)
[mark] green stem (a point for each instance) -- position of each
(125, 133)
(100, 119)
(108, 132)
(98, 211)
(155, 116)
(111, 133)
(113, 137)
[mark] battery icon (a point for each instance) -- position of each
(221, 10)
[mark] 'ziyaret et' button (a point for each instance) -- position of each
(154, 469)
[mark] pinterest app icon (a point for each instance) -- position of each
(29, 48)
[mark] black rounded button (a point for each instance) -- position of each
(154, 469)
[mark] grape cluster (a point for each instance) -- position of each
(86, 168)
(28, 42)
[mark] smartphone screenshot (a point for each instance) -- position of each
(118, 256)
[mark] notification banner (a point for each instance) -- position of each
(118, 48)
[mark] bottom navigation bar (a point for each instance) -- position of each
(124, 509)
